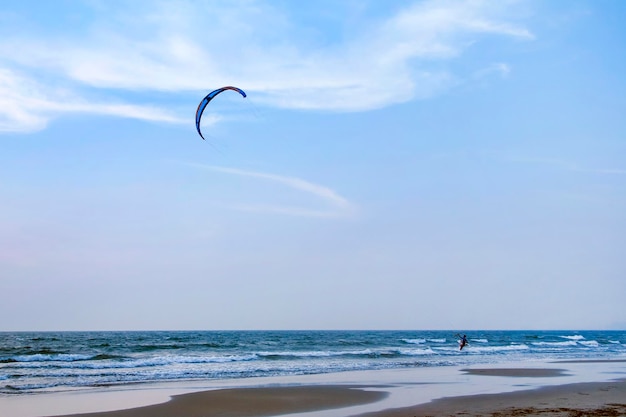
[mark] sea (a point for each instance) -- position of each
(34, 362)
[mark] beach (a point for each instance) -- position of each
(582, 399)
(590, 399)
(585, 399)
(568, 388)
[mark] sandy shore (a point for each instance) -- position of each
(572, 400)
(584, 399)
(248, 402)
(516, 372)
(568, 389)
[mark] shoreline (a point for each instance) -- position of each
(530, 387)
(581, 399)
(252, 402)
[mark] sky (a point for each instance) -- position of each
(395, 165)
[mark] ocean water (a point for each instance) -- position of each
(33, 362)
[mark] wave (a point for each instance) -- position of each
(156, 361)
(416, 352)
(365, 353)
(149, 348)
(496, 349)
(574, 337)
(326, 354)
(94, 359)
(118, 362)
(308, 354)
(414, 341)
(172, 360)
(423, 341)
(568, 343)
(61, 357)
(29, 350)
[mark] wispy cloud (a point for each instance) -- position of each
(18, 99)
(553, 162)
(193, 46)
(498, 68)
(602, 171)
(26, 105)
(338, 206)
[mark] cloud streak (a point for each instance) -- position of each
(27, 106)
(189, 47)
(556, 163)
(338, 205)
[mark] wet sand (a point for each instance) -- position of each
(249, 402)
(572, 400)
(516, 372)
(526, 391)
(585, 399)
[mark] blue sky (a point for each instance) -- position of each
(396, 165)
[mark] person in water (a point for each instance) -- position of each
(463, 342)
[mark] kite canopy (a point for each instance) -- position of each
(205, 101)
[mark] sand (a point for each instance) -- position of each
(572, 400)
(585, 399)
(531, 391)
(516, 372)
(244, 402)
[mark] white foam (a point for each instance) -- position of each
(416, 352)
(575, 337)
(498, 348)
(322, 353)
(414, 341)
(162, 360)
(61, 357)
(568, 343)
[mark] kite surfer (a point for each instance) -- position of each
(462, 342)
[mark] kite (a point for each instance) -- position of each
(205, 101)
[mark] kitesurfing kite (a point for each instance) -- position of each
(206, 101)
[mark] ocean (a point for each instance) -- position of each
(32, 362)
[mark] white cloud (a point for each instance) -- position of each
(338, 205)
(607, 171)
(195, 46)
(498, 68)
(18, 99)
(552, 162)
(27, 106)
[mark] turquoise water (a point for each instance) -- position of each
(42, 361)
